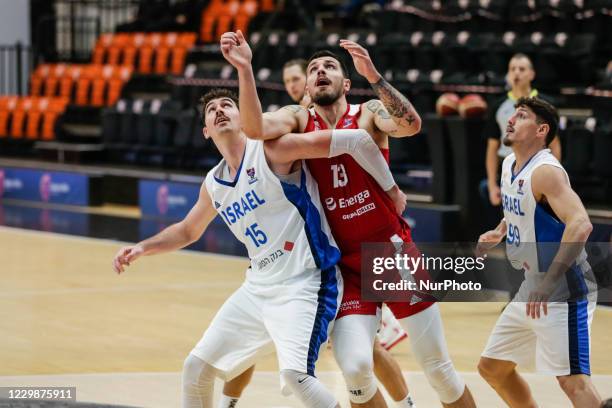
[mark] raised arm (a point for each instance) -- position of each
(393, 113)
(550, 183)
(255, 125)
(236, 51)
(330, 143)
(174, 237)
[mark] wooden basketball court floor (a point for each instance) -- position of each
(67, 319)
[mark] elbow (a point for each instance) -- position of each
(583, 228)
(417, 126)
(255, 133)
(188, 235)
(413, 128)
(587, 229)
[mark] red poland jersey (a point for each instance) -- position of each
(357, 208)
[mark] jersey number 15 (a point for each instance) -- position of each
(257, 236)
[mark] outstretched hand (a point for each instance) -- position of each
(236, 50)
(489, 240)
(362, 61)
(125, 256)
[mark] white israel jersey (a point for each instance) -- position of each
(282, 224)
(534, 232)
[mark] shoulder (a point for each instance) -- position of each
(508, 160)
(548, 177)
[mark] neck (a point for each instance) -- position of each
(522, 154)
(520, 92)
(232, 150)
(331, 114)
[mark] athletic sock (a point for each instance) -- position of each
(406, 402)
(227, 402)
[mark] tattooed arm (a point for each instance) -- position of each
(393, 113)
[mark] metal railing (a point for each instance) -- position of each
(71, 32)
(16, 63)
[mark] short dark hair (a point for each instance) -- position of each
(327, 53)
(520, 55)
(215, 93)
(300, 62)
(607, 403)
(545, 113)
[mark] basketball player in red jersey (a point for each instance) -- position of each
(357, 210)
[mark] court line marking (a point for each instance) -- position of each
(257, 372)
(147, 288)
(112, 242)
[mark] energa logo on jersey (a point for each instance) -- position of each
(330, 203)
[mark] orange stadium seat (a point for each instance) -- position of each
(248, 9)
(115, 84)
(67, 82)
(161, 59)
(177, 62)
(129, 56)
(209, 17)
(99, 53)
(267, 5)
(56, 107)
(19, 117)
(113, 55)
(33, 122)
(7, 105)
(84, 83)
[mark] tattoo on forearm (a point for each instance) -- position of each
(397, 104)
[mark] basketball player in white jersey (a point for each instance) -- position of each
(391, 115)
(292, 289)
(545, 226)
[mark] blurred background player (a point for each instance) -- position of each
(549, 319)
(519, 77)
(294, 78)
(341, 179)
(289, 301)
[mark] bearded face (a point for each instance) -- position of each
(325, 81)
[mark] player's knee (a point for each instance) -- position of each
(443, 377)
(574, 385)
(359, 377)
(492, 370)
(358, 370)
(196, 371)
